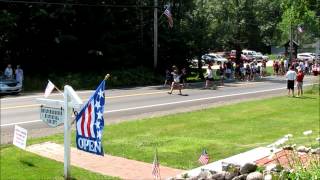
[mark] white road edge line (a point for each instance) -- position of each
(41, 96)
(164, 104)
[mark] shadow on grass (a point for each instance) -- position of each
(27, 163)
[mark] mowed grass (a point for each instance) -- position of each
(222, 131)
(20, 164)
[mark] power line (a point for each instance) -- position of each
(78, 4)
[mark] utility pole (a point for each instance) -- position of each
(155, 35)
(291, 45)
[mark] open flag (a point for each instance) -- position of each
(90, 123)
(49, 89)
(156, 167)
(204, 158)
(167, 12)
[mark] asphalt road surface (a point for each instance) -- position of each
(140, 102)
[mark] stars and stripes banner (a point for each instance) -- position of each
(167, 12)
(156, 167)
(90, 123)
(204, 158)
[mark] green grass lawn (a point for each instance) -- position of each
(19, 164)
(180, 138)
(223, 131)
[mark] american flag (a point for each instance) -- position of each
(204, 158)
(167, 12)
(90, 121)
(156, 167)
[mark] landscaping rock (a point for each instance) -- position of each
(287, 147)
(204, 174)
(315, 151)
(230, 167)
(219, 176)
(241, 177)
(255, 176)
(230, 175)
(248, 168)
(303, 149)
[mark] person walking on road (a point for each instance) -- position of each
(168, 79)
(19, 74)
(291, 77)
(300, 77)
(176, 80)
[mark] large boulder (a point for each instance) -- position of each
(248, 168)
(255, 176)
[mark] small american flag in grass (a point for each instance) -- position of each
(204, 158)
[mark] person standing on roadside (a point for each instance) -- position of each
(300, 77)
(8, 72)
(19, 74)
(291, 77)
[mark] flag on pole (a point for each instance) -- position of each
(204, 158)
(156, 167)
(90, 123)
(49, 89)
(300, 29)
(167, 12)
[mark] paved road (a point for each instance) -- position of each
(140, 102)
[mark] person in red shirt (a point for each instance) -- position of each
(300, 77)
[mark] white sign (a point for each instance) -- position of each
(20, 137)
(52, 116)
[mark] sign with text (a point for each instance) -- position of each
(20, 137)
(52, 116)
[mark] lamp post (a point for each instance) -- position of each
(155, 35)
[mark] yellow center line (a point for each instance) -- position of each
(84, 97)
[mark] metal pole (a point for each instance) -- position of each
(67, 133)
(155, 35)
(291, 46)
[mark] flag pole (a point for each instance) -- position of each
(58, 89)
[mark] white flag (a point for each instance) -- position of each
(49, 89)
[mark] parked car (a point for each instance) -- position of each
(212, 57)
(9, 86)
(306, 56)
(264, 57)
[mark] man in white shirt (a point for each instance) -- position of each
(291, 77)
